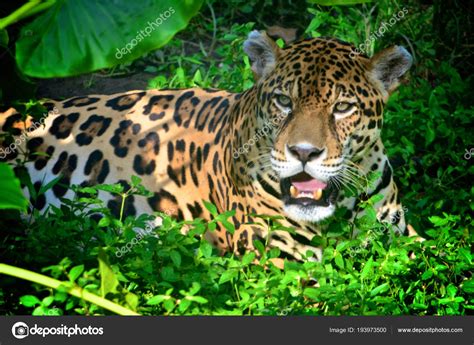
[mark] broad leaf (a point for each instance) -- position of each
(75, 272)
(108, 280)
(81, 36)
(29, 300)
(11, 196)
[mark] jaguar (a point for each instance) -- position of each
(307, 130)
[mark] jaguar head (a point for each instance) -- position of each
(325, 103)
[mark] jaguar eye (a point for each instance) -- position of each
(343, 107)
(284, 101)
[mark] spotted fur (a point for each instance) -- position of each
(236, 150)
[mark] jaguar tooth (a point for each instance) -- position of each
(293, 191)
(317, 194)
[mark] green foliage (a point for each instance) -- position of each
(11, 196)
(431, 121)
(94, 35)
(163, 271)
(229, 69)
(61, 288)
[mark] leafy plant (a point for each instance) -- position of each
(80, 36)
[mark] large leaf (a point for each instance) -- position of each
(11, 196)
(80, 36)
(108, 280)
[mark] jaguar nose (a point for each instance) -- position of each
(305, 153)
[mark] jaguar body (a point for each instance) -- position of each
(287, 146)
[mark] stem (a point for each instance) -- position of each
(235, 289)
(30, 8)
(124, 196)
(56, 284)
(214, 31)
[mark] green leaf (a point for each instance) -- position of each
(206, 249)
(176, 258)
(227, 275)
(434, 106)
(259, 245)
(50, 184)
(29, 300)
(438, 221)
(379, 289)
(111, 188)
(103, 222)
(375, 199)
(274, 253)
(47, 301)
(80, 36)
(157, 299)
(195, 287)
(75, 272)
(451, 290)
(427, 275)
(184, 305)
(108, 280)
(367, 268)
(314, 24)
(312, 293)
(419, 306)
(40, 311)
(11, 196)
(339, 260)
(169, 304)
(136, 180)
(132, 300)
(3, 38)
(280, 43)
(248, 258)
(468, 286)
(210, 207)
(317, 241)
(198, 299)
(212, 225)
(430, 134)
(228, 225)
(168, 274)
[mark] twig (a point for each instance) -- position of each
(214, 31)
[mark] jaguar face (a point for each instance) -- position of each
(326, 104)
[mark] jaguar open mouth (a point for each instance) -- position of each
(304, 190)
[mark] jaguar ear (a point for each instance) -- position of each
(263, 53)
(388, 66)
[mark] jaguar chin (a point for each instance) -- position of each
(308, 199)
